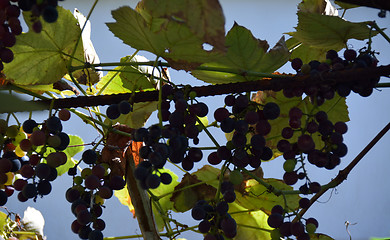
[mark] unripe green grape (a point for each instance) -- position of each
(78, 180)
(275, 234)
(305, 69)
(54, 141)
(192, 95)
(86, 172)
(311, 228)
(12, 131)
(289, 165)
(236, 177)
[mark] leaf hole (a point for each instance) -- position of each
(207, 47)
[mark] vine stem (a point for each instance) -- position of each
(342, 175)
(276, 83)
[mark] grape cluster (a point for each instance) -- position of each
(279, 220)
(95, 184)
(248, 122)
(352, 60)
(33, 151)
(116, 109)
(170, 141)
(45, 8)
(215, 221)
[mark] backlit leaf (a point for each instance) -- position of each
(245, 53)
(251, 225)
(331, 32)
(170, 37)
(42, 58)
(257, 197)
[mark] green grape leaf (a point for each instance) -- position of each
(42, 58)
(164, 202)
(251, 225)
(168, 36)
(255, 196)
(245, 53)
(124, 198)
(75, 146)
(331, 32)
(127, 78)
(15, 104)
(204, 17)
(305, 52)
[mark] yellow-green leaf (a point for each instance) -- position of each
(42, 58)
(251, 225)
(245, 53)
(256, 196)
(168, 37)
(331, 32)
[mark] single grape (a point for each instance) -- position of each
(166, 178)
(229, 100)
(30, 190)
(213, 158)
(89, 156)
(271, 110)
(204, 226)
(220, 114)
(275, 220)
(277, 209)
(152, 181)
(350, 54)
(331, 54)
(304, 203)
(296, 64)
(3, 198)
(50, 14)
(198, 212)
(29, 125)
(44, 187)
(125, 107)
(112, 111)
(6, 54)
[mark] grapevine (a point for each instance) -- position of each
(299, 118)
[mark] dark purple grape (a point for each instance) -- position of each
(350, 54)
(321, 116)
(241, 126)
(297, 229)
(29, 125)
(213, 158)
(204, 226)
(112, 111)
(166, 178)
(263, 127)
(224, 153)
(195, 154)
(312, 127)
(125, 107)
(222, 208)
(37, 26)
(44, 187)
(304, 203)
(295, 113)
(277, 209)
(89, 156)
(285, 229)
(314, 64)
(50, 14)
(295, 123)
(220, 114)
(84, 232)
(287, 132)
(204, 110)
(6, 55)
(53, 124)
(117, 182)
(72, 195)
(271, 110)
(152, 181)
(42, 170)
(284, 145)
(296, 64)
(227, 125)
(275, 220)
(92, 182)
(305, 143)
(105, 192)
(3, 198)
(198, 213)
(84, 217)
(251, 117)
(341, 127)
(290, 178)
(266, 154)
(331, 54)
(30, 190)
(241, 101)
(229, 100)
(314, 187)
(258, 142)
(99, 224)
(229, 196)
